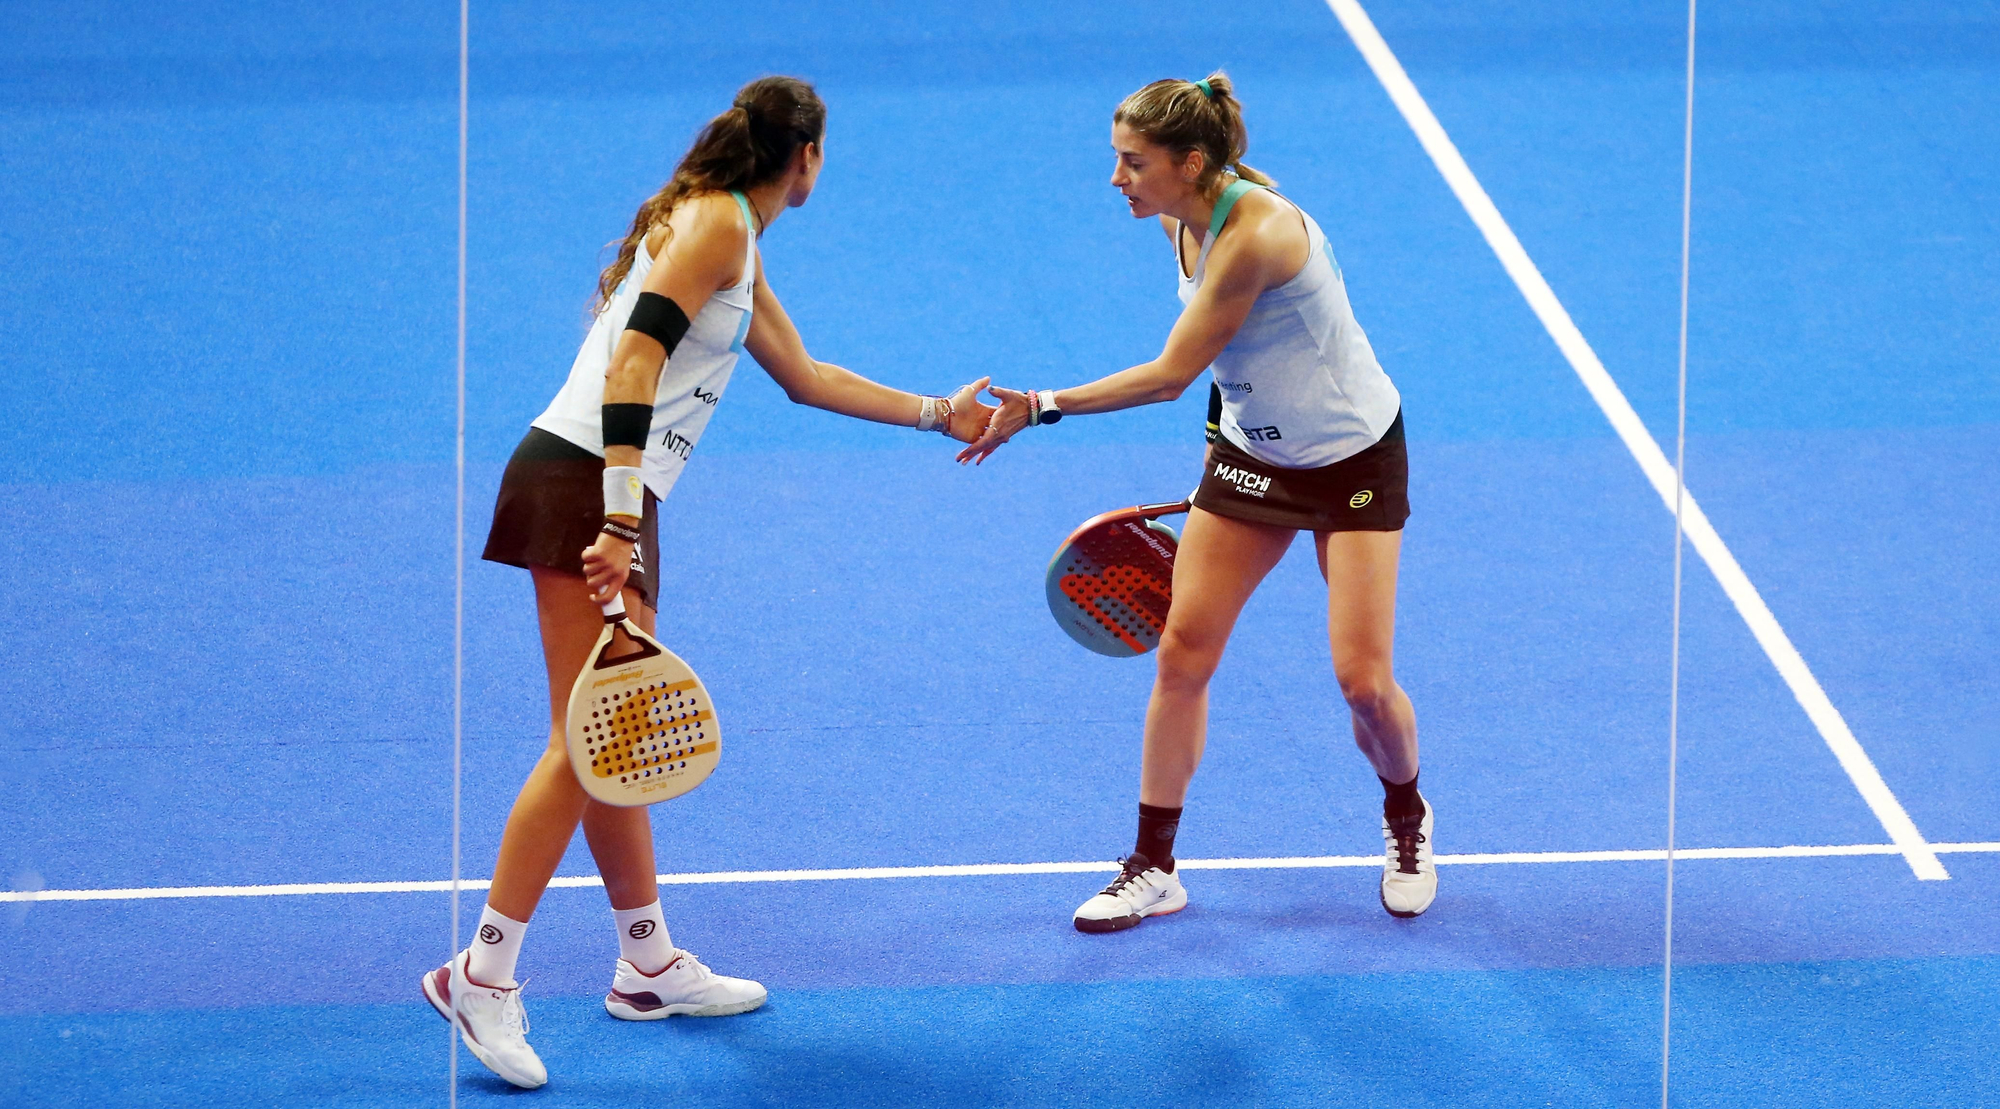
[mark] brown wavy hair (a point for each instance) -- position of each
(1176, 114)
(742, 148)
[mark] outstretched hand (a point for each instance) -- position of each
(1011, 416)
(968, 415)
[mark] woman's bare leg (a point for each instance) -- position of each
(1360, 571)
(1220, 563)
(551, 802)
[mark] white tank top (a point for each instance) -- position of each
(1300, 384)
(691, 382)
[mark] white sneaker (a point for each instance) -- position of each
(683, 988)
(490, 1020)
(1409, 877)
(1140, 890)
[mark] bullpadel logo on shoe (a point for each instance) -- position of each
(1247, 483)
(640, 929)
(490, 934)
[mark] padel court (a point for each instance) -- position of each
(228, 245)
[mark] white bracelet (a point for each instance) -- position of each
(624, 493)
(935, 415)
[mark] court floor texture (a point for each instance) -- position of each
(228, 265)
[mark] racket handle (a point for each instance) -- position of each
(1154, 511)
(614, 609)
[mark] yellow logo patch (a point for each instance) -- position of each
(1361, 499)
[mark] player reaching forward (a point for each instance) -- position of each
(686, 294)
(1310, 439)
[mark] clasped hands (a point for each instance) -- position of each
(1002, 422)
(981, 426)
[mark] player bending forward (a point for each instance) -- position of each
(1310, 439)
(686, 294)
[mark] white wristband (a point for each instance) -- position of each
(624, 493)
(935, 415)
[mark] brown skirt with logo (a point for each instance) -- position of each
(1367, 492)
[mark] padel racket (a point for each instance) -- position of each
(1111, 581)
(641, 726)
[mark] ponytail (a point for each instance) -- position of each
(742, 148)
(1199, 115)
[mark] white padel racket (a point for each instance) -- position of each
(641, 726)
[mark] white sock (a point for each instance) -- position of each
(643, 939)
(495, 949)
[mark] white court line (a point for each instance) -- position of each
(1902, 831)
(978, 870)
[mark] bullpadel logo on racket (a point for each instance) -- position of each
(1111, 581)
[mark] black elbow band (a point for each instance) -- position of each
(626, 425)
(660, 319)
(1214, 412)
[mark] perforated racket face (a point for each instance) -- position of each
(643, 731)
(1110, 585)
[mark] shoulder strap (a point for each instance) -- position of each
(749, 226)
(1226, 202)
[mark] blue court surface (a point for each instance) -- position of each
(228, 259)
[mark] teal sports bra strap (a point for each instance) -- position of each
(1226, 202)
(750, 225)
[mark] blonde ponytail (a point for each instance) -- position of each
(1195, 115)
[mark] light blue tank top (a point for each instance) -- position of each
(691, 383)
(1300, 384)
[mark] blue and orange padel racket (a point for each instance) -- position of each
(641, 726)
(1111, 581)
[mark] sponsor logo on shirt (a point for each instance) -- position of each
(677, 443)
(1261, 434)
(706, 397)
(1247, 483)
(1236, 386)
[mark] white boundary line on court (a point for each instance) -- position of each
(1902, 831)
(983, 870)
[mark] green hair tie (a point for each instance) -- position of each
(1206, 92)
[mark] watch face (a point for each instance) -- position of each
(1051, 415)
